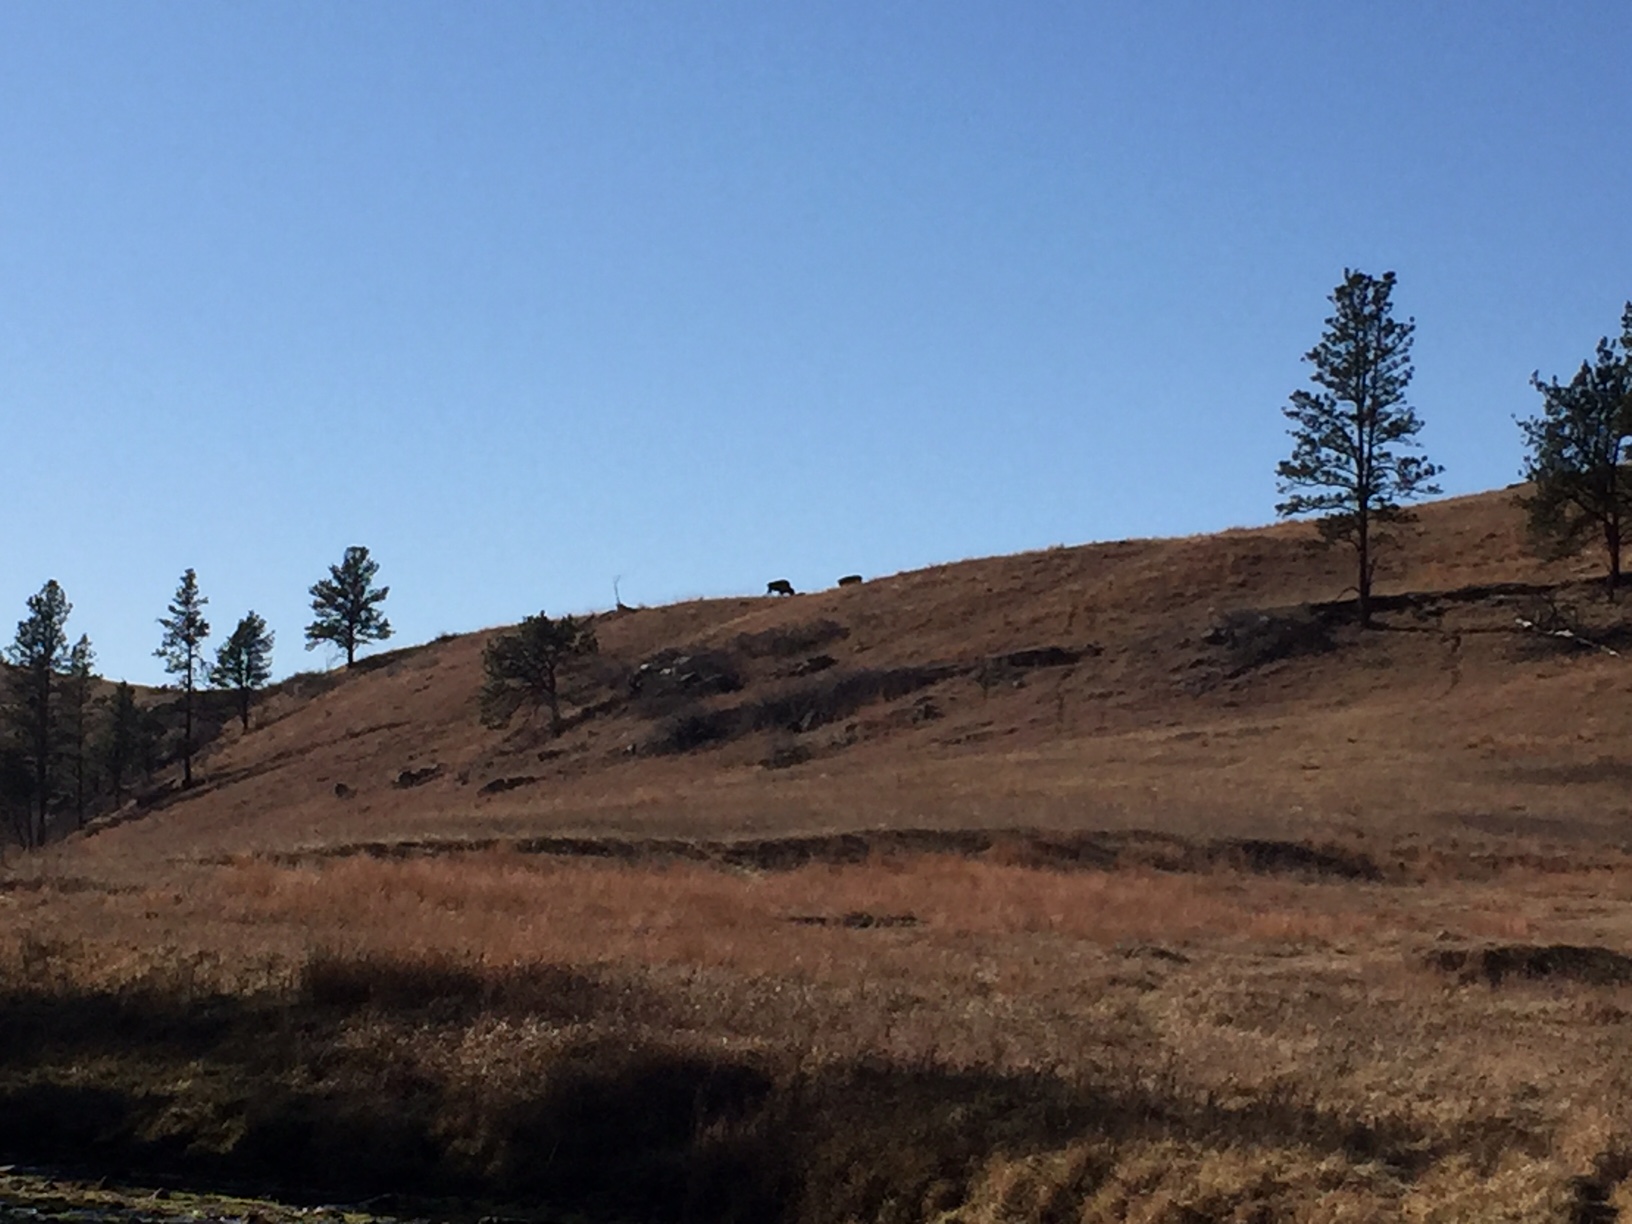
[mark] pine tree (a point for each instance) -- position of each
(77, 700)
(1347, 463)
(40, 654)
(521, 666)
(346, 604)
(244, 662)
(1577, 448)
(182, 649)
(121, 745)
(150, 736)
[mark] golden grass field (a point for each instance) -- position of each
(1160, 926)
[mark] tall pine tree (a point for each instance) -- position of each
(1350, 435)
(244, 662)
(1577, 448)
(121, 743)
(182, 649)
(40, 654)
(77, 706)
(346, 605)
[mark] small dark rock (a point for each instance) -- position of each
(498, 785)
(417, 777)
(812, 665)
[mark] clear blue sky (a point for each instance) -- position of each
(525, 296)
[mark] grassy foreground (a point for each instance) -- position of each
(1012, 1028)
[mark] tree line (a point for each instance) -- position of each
(68, 743)
(1355, 457)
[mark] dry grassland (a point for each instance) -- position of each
(1009, 891)
(910, 1037)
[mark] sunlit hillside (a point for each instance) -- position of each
(1119, 685)
(1123, 882)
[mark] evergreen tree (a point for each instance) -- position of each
(1577, 447)
(347, 606)
(1349, 435)
(182, 649)
(244, 662)
(521, 666)
(77, 703)
(40, 654)
(121, 742)
(150, 736)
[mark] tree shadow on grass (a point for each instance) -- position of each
(630, 1125)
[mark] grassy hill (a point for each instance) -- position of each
(1208, 685)
(1121, 882)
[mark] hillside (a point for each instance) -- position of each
(1106, 686)
(1122, 882)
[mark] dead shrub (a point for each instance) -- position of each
(826, 698)
(673, 676)
(1592, 965)
(1251, 638)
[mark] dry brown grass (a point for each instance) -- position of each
(1189, 1009)
(1034, 1044)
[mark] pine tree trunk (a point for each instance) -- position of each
(1363, 586)
(1612, 545)
(187, 738)
(42, 761)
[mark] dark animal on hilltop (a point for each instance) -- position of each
(850, 580)
(780, 587)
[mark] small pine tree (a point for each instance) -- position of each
(1577, 448)
(40, 654)
(521, 666)
(347, 605)
(121, 744)
(1347, 464)
(182, 649)
(78, 703)
(244, 662)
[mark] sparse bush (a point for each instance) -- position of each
(696, 728)
(826, 698)
(673, 676)
(1252, 638)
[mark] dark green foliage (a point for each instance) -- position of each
(121, 744)
(347, 605)
(244, 662)
(40, 654)
(521, 666)
(77, 705)
(1577, 447)
(182, 649)
(1350, 435)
